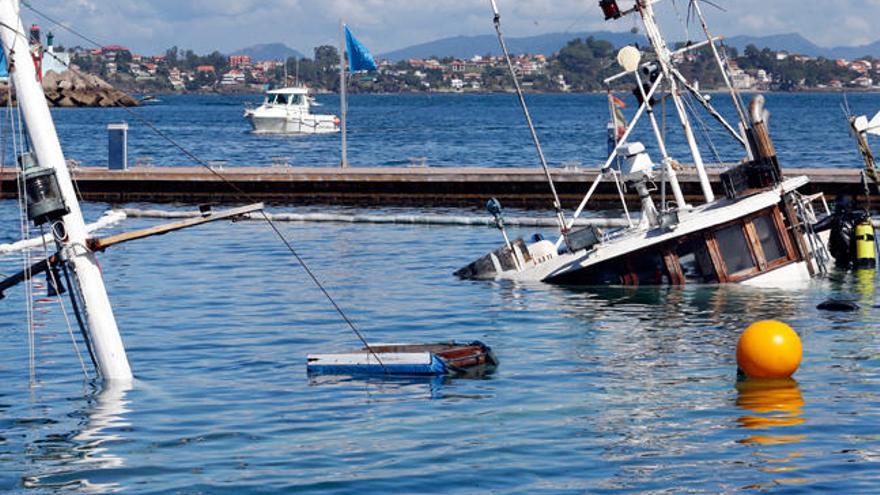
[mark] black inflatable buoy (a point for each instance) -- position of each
(838, 305)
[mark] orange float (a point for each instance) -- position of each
(769, 349)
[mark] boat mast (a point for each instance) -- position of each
(557, 205)
(343, 104)
(108, 347)
(664, 59)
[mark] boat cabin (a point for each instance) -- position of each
(726, 253)
(287, 97)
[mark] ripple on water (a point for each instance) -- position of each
(600, 391)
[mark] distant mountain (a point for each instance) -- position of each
(852, 52)
(795, 43)
(269, 51)
(468, 46)
(547, 44)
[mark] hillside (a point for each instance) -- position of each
(269, 51)
(548, 44)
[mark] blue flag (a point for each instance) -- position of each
(359, 58)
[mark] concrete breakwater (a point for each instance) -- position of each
(73, 90)
(464, 186)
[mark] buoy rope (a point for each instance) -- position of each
(242, 194)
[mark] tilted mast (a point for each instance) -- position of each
(108, 348)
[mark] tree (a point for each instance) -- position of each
(171, 55)
(584, 63)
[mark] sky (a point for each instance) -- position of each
(150, 26)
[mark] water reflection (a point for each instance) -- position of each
(772, 405)
(396, 388)
(866, 286)
(64, 461)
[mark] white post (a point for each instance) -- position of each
(667, 160)
(109, 351)
(646, 10)
(343, 103)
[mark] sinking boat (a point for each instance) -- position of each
(760, 233)
(441, 359)
(288, 111)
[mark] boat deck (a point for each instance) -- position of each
(424, 186)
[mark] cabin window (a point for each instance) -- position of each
(769, 238)
(735, 249)
(281, 99)
(647, 268)
(696, 264)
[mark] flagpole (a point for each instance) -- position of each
(343, 104)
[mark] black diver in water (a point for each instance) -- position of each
(843, 224)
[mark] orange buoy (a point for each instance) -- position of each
(769, 349)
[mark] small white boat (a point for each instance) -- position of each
(287, 111)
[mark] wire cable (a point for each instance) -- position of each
(242, 194)
(55, 285)
(15, 126)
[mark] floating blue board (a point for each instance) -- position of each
(433, 368)
(405, 360)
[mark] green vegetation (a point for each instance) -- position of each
(581, 65)
(585, 63)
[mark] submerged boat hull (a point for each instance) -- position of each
(747, 240)
(406, 360)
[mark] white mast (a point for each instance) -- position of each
(646, 10)
(343, 103)
(109, 350)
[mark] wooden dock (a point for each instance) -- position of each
(422, 186)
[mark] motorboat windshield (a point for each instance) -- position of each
(284, 99)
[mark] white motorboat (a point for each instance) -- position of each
(288, 111)
(761, 233)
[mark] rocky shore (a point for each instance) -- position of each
(72, 90)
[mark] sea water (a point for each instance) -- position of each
(449, 130)
(599, 391)
(603, 390)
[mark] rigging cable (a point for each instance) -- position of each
(242, 194)
(557, 205)
(55, 286)
(13, 130)
(73, 290)
(684, 25)
(704, 129)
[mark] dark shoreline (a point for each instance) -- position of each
(511, 91)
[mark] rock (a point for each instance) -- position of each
(64, 102)
(838, 305)
(84, 98)
(71, 90)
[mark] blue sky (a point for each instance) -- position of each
(150, 26)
